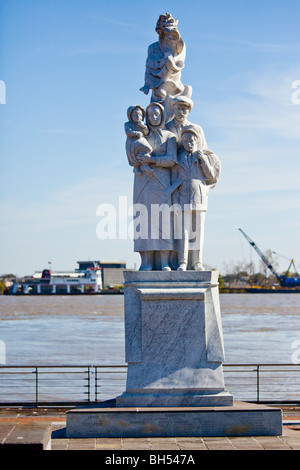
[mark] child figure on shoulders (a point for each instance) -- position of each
(136, 143)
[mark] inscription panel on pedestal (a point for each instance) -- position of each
(173, 331)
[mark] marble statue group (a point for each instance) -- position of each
(174, 346)
(173, 167)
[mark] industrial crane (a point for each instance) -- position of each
(284, 280)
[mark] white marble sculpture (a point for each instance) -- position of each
(193, 168)
(165, 61)
(173, 332)
(154, 148)
(151, 190)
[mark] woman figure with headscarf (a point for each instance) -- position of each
(154, 240)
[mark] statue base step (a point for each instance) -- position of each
(240, 419)
(173, 398)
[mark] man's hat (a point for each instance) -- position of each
(184, 98)
(191, 129)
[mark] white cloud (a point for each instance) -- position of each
(70, 207)
(257, 134)
(263, 103)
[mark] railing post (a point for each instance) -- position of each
(36, 388)
(89, 385)
(257, 383)
(96, 383)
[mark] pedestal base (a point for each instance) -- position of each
(241, 419)
(171, 398)
(173, 340)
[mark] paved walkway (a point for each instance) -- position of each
(180, 444)
(290, 439)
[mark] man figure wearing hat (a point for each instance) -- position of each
(182, 106)
(196, 172)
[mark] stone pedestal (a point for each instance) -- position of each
(240, 419)
(174, 350)
(173, 340)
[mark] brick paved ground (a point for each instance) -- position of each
(285, 442)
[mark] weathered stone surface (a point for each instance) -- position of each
(24, 437)
(174, 342)
(241, 419)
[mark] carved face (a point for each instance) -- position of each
(154, 115)
(189, 142)
(137, 115)
(181, 112)
(170, 39)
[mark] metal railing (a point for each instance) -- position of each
(263, 383)
(65, 385)
(39, 384)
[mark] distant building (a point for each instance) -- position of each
(112, 271)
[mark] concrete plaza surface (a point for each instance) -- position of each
(19, 425)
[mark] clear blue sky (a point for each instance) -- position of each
(72, 68)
